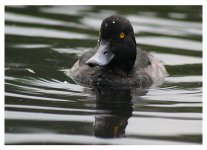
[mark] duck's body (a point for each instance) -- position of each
(116, 61)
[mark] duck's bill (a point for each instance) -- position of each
(102, 56)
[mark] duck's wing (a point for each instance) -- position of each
(86, 56)
(142, 59)
(80, 71)
(147, 65)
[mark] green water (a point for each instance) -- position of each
(44, 106)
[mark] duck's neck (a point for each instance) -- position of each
(125, 65)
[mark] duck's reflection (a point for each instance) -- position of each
(116, 107)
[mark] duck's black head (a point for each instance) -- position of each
(116, 45)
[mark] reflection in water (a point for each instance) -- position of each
(118, 106)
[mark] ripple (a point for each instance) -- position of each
(21, 18)
(78, 50)
(169, 59)
(31, 46)
(60, 109)
(41, 82)
(23, 96)
(15, 115)
(170, 42)
(184, 79)
(45, 90)
(43, 32)
(79, 139)
(77, 10)
(163, 126)
(153, 20)
(175, 95)
(176, 115)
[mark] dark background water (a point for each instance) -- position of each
(44, 106)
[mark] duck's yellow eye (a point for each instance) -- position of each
(121, 35)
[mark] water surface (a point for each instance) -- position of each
(44, 106)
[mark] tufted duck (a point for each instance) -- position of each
(116, 61)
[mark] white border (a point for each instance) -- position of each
(103, 2)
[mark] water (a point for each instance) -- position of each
(44, 106)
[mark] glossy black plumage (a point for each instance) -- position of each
(116, 61)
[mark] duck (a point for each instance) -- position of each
(116, 60)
